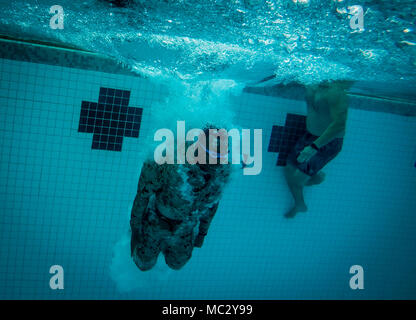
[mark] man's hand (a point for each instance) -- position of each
(306, 154)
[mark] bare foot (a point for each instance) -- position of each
(297, 208)
(316, 179)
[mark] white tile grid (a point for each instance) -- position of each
(64, 178)
(67, 202)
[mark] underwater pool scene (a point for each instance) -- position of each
(207, 149)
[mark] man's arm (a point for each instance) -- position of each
(339, 110)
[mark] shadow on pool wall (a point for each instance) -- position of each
(65, 202)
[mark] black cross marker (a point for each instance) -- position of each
(110, 119)
(283, 138)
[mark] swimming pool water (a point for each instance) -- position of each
(66, 191)
(66, 203)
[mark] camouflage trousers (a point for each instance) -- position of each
(174, 238)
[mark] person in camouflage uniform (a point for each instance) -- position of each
(173, 209)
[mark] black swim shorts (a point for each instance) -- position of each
(325, 154)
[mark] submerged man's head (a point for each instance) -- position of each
(341, 84)
(332, 84)
(214, 141)
(344, 84)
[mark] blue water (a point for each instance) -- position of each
(238, 39)
(64, 203)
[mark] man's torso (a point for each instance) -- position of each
(318, 111)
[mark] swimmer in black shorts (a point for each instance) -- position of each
(327, 109)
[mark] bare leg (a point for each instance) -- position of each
(316, 179)
(296, 180)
